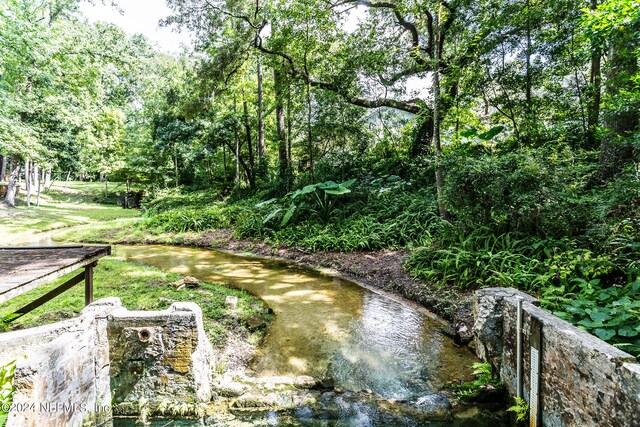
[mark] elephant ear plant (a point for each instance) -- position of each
(323, 197)
(6, 390)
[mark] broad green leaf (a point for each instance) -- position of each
(271, 215)
(338, 191)
(265, 203)
(628, 331)
(604, 334)
(599, 316)
(491, 133)
(590, 324)
(287, 216)
(468, 132)
(350, 182)
(327, 184)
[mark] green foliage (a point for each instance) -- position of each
(323, 202)
(534, 191)
(6, 390)
(378, 215)
(482, 258)
(520, 409)
(6, 321)
(147, 288)
(185, 219)
(611, 313)
(483, 377)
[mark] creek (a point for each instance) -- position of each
(325, 326)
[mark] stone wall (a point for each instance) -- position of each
(583, 380)
(159, 356)
(65, 371)
(62, 371)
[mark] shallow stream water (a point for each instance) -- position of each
(327, 326)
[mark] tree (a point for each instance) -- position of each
(368, 67)
(614, 27)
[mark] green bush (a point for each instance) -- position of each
(6, 390)
(482, 258)
(539, 192)
(611, 313)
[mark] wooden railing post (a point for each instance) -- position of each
(88, 284)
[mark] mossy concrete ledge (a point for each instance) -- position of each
(583, 380)
(70, 373)
(159, 358)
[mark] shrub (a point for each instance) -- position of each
(538, 192)
(7, 390)
(611, 313)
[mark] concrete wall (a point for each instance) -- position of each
(62, 371)
(583, 380)
(65, 371)
(159, 356)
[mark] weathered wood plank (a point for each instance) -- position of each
(24, 269)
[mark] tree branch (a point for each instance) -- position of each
(408, 26)
(410, 106)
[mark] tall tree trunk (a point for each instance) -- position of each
(36, 173)
(261, 152)
(289, 131)
(34, 176)
(309, 134)
(309, 112)
(47, 180)
(283, 171)
(10, 198)
(27, 180)
(247, 128)
(423, 134)
(237, 147)
(11, 165)
(528, 64)
(436, 119)
(106, 186)
(175, 164)
(595, 83)
(237, 154)
(3, 168)
(224, 162)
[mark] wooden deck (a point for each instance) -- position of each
(25, 268)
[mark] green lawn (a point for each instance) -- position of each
(73, 208)
(66, 204)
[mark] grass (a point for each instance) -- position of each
(146, 288)
(66, 204)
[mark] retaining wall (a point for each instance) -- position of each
(159, 356)
(583, 380)
(68, 373)
(62, 371)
